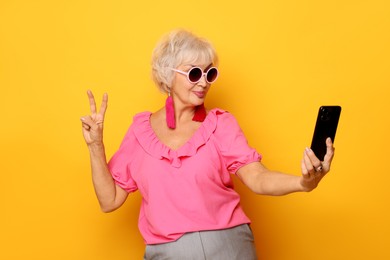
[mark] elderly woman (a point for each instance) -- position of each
(181, 159)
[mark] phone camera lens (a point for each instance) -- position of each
(324, 114)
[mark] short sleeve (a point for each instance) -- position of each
(120, 163)
(233, 144)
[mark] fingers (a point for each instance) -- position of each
(305, 172)
(85, 126)
(87, 122)
(103, 106)
(311, 168)
(92, 103)
(312, 163)
(329, 152)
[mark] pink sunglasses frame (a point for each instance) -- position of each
(203, 74)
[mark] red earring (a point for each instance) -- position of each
(170, 112)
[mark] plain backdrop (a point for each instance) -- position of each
(279, 61)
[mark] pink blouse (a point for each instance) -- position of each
(188, 189)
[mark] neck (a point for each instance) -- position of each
(178, 113)
(184, 113)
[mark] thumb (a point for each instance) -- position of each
(87, 120)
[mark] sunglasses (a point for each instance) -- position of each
(195, 74)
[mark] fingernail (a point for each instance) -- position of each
(82, 118)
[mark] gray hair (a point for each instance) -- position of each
(177, 48)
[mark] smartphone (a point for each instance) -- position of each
(326, 126)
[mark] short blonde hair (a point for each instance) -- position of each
(176, 48)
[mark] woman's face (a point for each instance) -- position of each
(187, 93)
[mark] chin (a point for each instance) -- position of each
(198, 102)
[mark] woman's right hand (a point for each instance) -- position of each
(92, 125)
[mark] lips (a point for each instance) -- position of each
(200, 94)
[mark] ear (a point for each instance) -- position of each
(166, 89)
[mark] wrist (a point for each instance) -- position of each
(306, 186)
(96, 147)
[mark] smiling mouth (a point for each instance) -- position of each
(200, 94)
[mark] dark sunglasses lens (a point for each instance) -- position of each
(212, 75)
(195, 74)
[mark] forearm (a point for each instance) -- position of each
(276, 183)
(266, 182)
(103, 182)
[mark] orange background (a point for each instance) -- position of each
(279, 61)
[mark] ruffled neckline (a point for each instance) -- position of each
(149, 141)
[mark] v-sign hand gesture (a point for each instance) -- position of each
(93, 124)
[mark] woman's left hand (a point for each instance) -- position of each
(313, 170)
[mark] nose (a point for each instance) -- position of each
(202, 82)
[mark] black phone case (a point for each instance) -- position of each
(326, 126)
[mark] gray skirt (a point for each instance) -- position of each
(226, 244)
